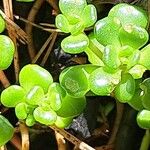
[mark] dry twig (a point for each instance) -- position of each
(5, 82)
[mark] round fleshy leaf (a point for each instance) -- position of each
(12, 95)
(7, 49)
(133, 36)
(144, 57)
(74, 44)
(63, 122)
(30, 121)
(55, 95)
(143, 119)
(6, 131)
(21, 111)
(34, 75)
(125, 90)
(45, 116)
(103, 83)
(62, 23)
(129, 14)
(110, 57)
(2, 24)
(35, 95)
(89, 15)
(106, 32)
(145, 94)
(71, 106)
(72, 79)
(72, 9)
(25, 0)
(137, 71)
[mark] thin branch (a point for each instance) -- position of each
(120, 108)
(80, 144)
(31, 17)
(42, 49)
(5, 82)
(16, 141)
(49, 49)
(25, 136)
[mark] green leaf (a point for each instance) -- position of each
(7, 49)
(21, 111)
(55, 95)
(30, 121)
(145, 94)
(137, 71)
(144, 57)
(133, 36)
(106, 32)
(143, 119)
(125, 90)
(6, 131)
(62, 23)
(35, 95)
(74, 44)
(72, 9)
(77, 28)
(25, 0)
(34, 75)
(110, 57)
(102, 82)
(71, 106)
(45, 116)
(89, 15)
(129, 14)
(12, 95)
(72, 79)
(63, 122)
(2, 24)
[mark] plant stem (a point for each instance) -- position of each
(145, 141)
(5, 82)
(120, 108)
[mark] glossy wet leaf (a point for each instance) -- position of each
(72, 9)
(102, 82)
(62, 23)
(7, 49)
(25, 0)
(137, 71)
(2, 24)
(143, 119)
(71, 106)
(110, 57)
(144, 57)
(106, 32)
(129, 14)
(45, 116)
(72, 80)
(63, 122)
(30, 121)
(145, 94)
(125, 90)
(55, 95)
(21, 111)
(35, 95)
(6, 131)
(133, 36)
(34, 75)
(12, 95)
(89, 15)
(74, 44)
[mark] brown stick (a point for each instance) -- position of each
(49, 49)
(5, 82)
(28, 28)
(25, 136)
(16, 141)
(120, 108)
(80, 144)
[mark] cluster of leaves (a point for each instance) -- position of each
(116, 52)
(39, 99)
(7, 48)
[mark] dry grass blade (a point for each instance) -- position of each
(18, 32)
